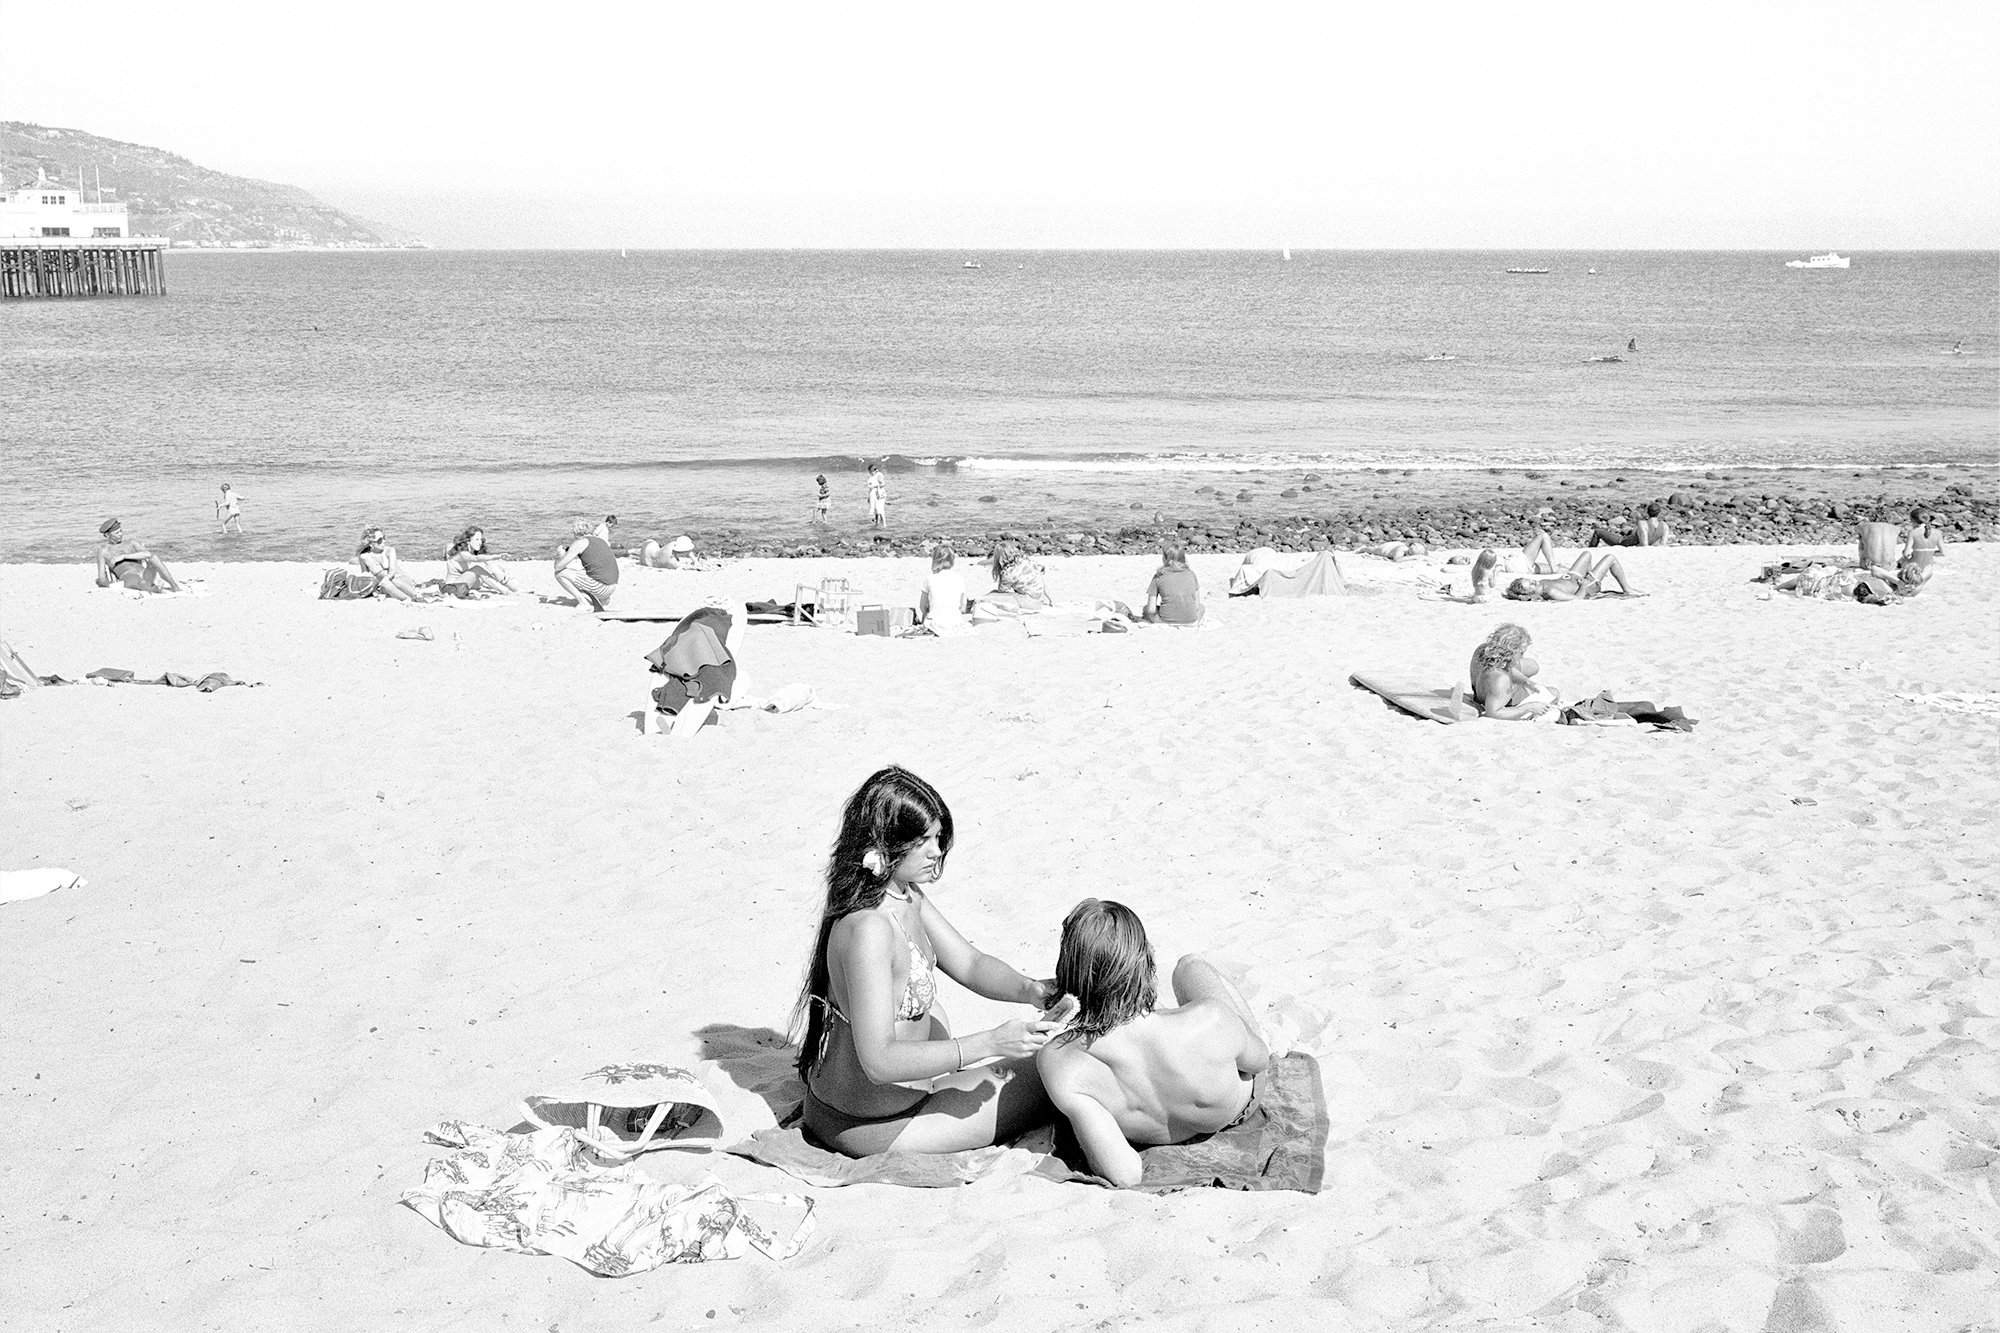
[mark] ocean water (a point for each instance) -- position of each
(703, 391)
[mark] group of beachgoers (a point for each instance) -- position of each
(1021, 587)
(878, 498)
(884, 1073)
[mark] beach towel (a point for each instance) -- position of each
(207, 684)
(1317, 577)
(1279, 1144)
(1983, 703)
(21, 885)
(548, 1193)
(695, 660)
(344, 585)
(787, 1148)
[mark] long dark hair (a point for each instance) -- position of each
(890, 813)
(1106, 961)
(464, 541)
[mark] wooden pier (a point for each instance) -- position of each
(83, 266)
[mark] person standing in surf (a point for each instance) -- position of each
(878, 497)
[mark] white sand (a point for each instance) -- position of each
(1620, 1035)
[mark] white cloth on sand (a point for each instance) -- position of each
(1262, 561)
(548, 1193)
(20, 885)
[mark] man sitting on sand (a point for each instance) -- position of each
(1126, 1073)
(1651, 530)
(1584, 581)
(586, 569)
(120, 560)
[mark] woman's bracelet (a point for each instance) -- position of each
(960, 1052)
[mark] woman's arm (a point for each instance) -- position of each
(859, 953)
(1491, 689)
(978, 971)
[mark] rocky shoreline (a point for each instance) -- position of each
(1497, 507)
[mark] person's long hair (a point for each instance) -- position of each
(1173, 555)
(464, 540)
(370, 538)
(1004, 554)
(1503, 647)
(1106, 962)
(889, 814)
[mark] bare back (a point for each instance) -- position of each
(1164, 1077)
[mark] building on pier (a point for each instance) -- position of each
(55, 242)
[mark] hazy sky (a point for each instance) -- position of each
(1077, 124)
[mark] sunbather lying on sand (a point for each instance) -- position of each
(882, 1071)
(1537, 556)
(1127, 1073)
(1584, 581)
(120, 560)
(1503, 684)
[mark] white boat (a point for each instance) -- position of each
(1442, 356)
(973, 263)
(1827, 260)
(1288, 254)
(1527, 270)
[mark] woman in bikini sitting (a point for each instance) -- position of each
(882, 1071)
(1584, 581)
(468, 566)
(1503, 683)
(377, 557)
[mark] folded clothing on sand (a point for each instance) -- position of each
(1279, 1144)
(208, 684)
(1604, 708)
(548, 1193)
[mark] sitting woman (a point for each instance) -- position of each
(882, 1071)
(1016, 576)
(1129, 1075)
(1538, 556)
(1174, 595)
(1503, 684)
(1584, 581)
(379, 559)
(1925, 543)
(941, 605)
(469, 569)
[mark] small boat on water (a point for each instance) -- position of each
(1613, 357)
(1288, 254)
(1827, 260)
(1527, 270)
(972, 263)
(1442, 356)
(1590, 270)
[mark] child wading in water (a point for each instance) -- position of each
(228, 510)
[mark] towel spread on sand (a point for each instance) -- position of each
(1958, 701)
(1280, 1144)
(20, 885)
(208, 684)
(548, 1193)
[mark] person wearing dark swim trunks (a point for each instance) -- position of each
(1130, 1075)
(882, 1071)
(123, 560)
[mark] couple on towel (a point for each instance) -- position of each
(883, 1072)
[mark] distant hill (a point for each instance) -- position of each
(172, 197)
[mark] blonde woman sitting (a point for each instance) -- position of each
(1503, 685)
(941, 605)
(377, 557)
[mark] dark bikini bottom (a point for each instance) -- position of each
(825, 1123)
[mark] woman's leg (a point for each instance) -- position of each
(973, 1109)
(1195, 978)
(1540, 551)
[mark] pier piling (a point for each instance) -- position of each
(61, 266)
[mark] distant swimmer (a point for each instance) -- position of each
(1958, 349)
(1631, 344)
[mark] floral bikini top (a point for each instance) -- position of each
(919, 992)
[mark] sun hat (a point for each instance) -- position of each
(682, 544)
(649, 1106)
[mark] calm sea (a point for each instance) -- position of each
(700, 392)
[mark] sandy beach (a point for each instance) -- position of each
(1621, 1029)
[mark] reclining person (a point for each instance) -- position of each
(1584, 581)
(122, 560)
(1536, 556)
(1651, 530)
(1126, 1073)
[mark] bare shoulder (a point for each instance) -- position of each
(859, 930)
